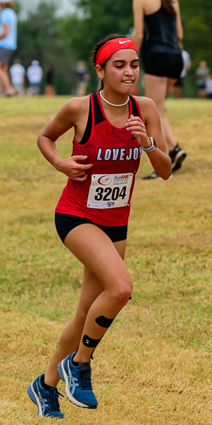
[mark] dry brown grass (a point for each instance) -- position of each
(154, 365)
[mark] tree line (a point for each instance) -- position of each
(62, 41)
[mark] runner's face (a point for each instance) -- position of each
(122, 70)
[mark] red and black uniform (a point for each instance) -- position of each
(111, 150)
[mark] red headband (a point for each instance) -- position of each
(113, 46)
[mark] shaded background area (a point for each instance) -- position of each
(61, 33)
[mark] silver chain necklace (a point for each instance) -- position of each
(112, 104)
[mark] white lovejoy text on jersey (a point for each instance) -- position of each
(119, 154)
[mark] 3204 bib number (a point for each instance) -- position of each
(109, 190)
(108, 194)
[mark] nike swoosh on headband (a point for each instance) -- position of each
(111, 47)
(122, 42)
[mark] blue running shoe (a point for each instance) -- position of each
(47, 401)
(78, 383)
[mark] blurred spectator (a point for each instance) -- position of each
(17, 73)
(34, 75)
(49, 77)
(201, 74)
(208, 88)
(177, 88)
(82, 78)
(8, 43)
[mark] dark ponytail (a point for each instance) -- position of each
(168, 6)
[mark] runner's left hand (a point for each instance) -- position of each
(138, 129)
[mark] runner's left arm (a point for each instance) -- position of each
(150, 127)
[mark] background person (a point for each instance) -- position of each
(8, 43)
(34, 74)
(162, 60)
(208, 88)
(49, 81)
(17, 74)
(93, 211)
(82, 78)
(201, 74)
(178, 86)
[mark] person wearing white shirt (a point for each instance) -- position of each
(208, 88)
(178, 86)
(34, 74)
(17, 75)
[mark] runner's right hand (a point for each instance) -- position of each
(73, 167)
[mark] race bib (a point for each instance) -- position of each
(109, 190)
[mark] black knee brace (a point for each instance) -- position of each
(90, 342)
(103, 321)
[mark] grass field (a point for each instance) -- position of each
(154, 366)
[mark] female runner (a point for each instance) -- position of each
(111, 128)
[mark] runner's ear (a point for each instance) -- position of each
(100, 71)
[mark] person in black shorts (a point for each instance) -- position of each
(157, 33)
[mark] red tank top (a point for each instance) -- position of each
(115, 155)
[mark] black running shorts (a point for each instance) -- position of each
(65, 223)
(163, 64)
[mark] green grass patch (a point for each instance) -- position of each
(154, 364)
